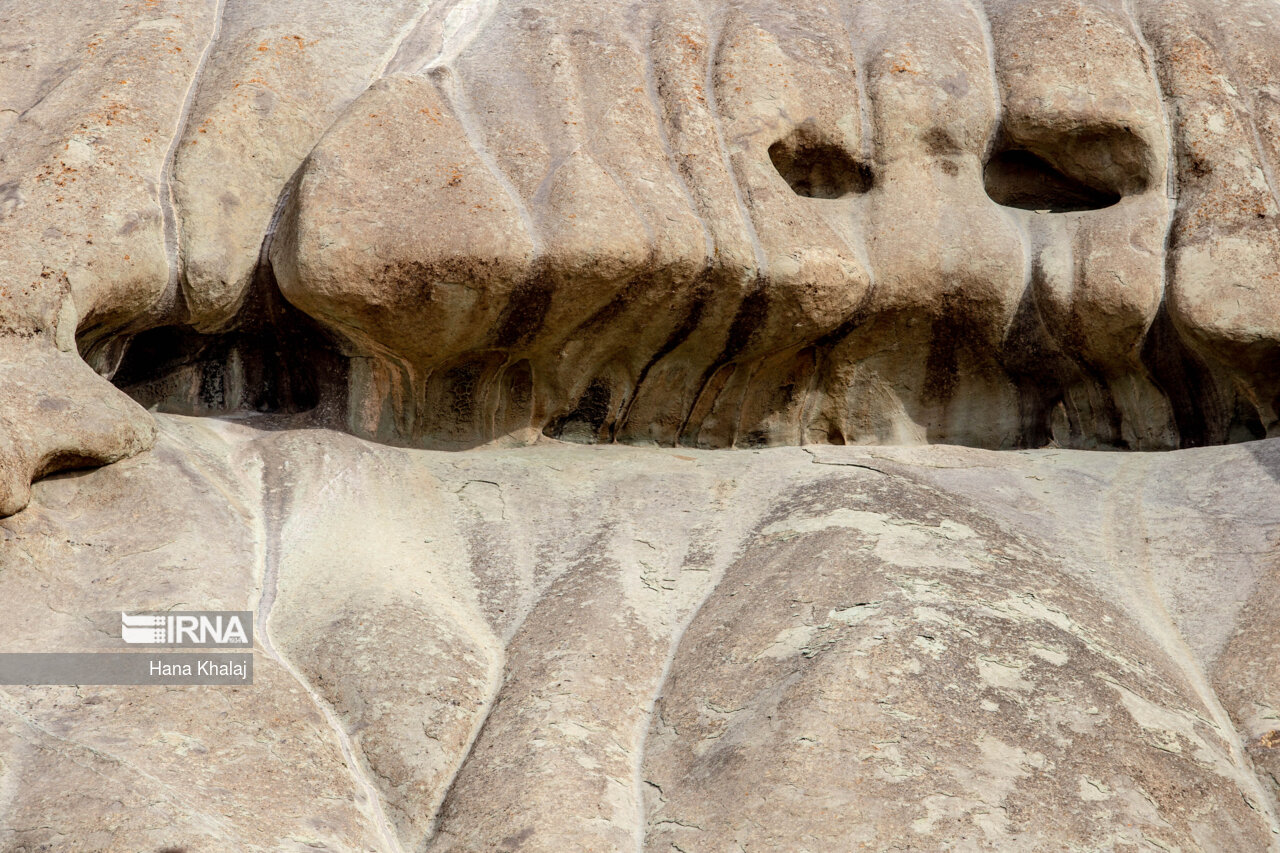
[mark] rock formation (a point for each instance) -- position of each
(343, 283)
(709, 224)
(609, 648)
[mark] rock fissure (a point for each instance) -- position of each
(168, 204)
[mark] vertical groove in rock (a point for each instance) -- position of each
(270, 513)
(717, 25)
(172, 298)
(1126, 532)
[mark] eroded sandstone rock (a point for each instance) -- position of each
(568, 648)
(701, 223)
(696, 223)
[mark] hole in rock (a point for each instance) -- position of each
(817, 168)
(271, 359)
(585, 424)
(1027, 181)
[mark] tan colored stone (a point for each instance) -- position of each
(275, 79)
(693, 223)
(562, 647)
(1002, 225)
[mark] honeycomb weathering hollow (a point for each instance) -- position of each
(713, 224)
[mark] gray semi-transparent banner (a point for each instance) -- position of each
(74, 668)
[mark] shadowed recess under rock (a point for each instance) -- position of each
(697, 223)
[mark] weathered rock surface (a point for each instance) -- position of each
(402, 227)
(699, 222)
(569, 648)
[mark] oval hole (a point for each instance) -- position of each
(1027, 181)
(816, 168)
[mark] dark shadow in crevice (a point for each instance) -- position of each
(1206, 408)
(815, 167)
(1035, 364)
(1199, 412)
(272, 359)
(586, 423)
(1024, 180)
